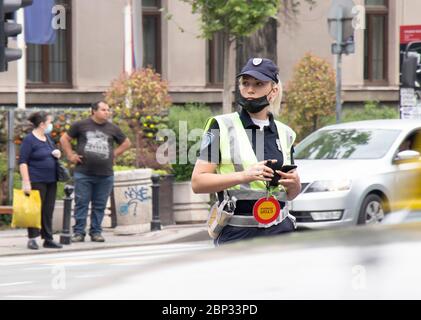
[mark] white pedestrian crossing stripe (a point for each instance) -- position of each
(115, 256)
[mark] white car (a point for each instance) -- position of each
(352, 173)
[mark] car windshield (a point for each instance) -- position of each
(346, 144)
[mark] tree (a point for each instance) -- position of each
(262, 43)
(310, 95)
(240, 20)
(233, 19)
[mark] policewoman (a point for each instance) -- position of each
(241, 158)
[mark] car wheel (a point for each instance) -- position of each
(372, 210)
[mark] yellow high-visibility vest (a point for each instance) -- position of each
(237, 154)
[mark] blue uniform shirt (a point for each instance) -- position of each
(37, 155)
(210, 151)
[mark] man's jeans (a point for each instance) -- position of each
(95, 189)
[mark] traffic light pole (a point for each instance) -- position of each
(21, 62)
(11, 156)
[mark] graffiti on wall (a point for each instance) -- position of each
(135, 196)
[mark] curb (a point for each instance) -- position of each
(200, 235)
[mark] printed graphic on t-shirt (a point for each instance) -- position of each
(97, 143)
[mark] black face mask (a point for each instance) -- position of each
(254, 105)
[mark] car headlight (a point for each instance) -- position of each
(329, 186)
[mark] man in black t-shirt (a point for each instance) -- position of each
(94, 158)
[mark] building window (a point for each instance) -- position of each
(152, 34)
(50, 65)
(215, 61)
(375, 45)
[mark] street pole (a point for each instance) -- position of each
(11, 156)
(156, 222)
(21, 62)
(339, 88)
(128, 47)
(339, 68)
(341, 28)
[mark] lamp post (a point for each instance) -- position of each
(341, 29)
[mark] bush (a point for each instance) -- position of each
(3, 131)
(195, 115)
(127, 159)
(310, 96)
(372, 110)
(63, 119)
(123, 168)
(141, 101)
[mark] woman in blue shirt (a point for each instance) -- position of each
(38, 167)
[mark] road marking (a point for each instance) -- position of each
(155, 250)
(111, 258)
(15, 284)
(112, 251)
(46, 267)
(90, 276)
(28, 297)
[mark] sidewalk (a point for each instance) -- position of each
(13, 242)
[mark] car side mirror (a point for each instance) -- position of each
(407, 156)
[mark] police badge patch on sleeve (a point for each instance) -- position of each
(207, 140)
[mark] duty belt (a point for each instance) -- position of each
(251, 222)
(255, 195)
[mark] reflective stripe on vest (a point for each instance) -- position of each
(237, 152)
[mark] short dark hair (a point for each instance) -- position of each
(95, 105)
(39, 117)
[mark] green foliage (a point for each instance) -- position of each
(372, 110)
(3, 131)
(310, 95)
(127, 159)
(144, 89)
(3, 164)
(233, 17)
(140, 102)
(62, 120)
(3, 178)
(161, 172)
(123, 168)
(60, 190)
(195, 116)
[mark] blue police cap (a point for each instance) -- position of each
(261, 69)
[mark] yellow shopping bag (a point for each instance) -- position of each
(26, 209)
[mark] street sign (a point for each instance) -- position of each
(410, 34)
(340, 18)
(410, 71)
(410, 104)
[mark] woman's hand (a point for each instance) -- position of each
(258, 172)
(26, 187)
(291, 182)
(56, 153)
